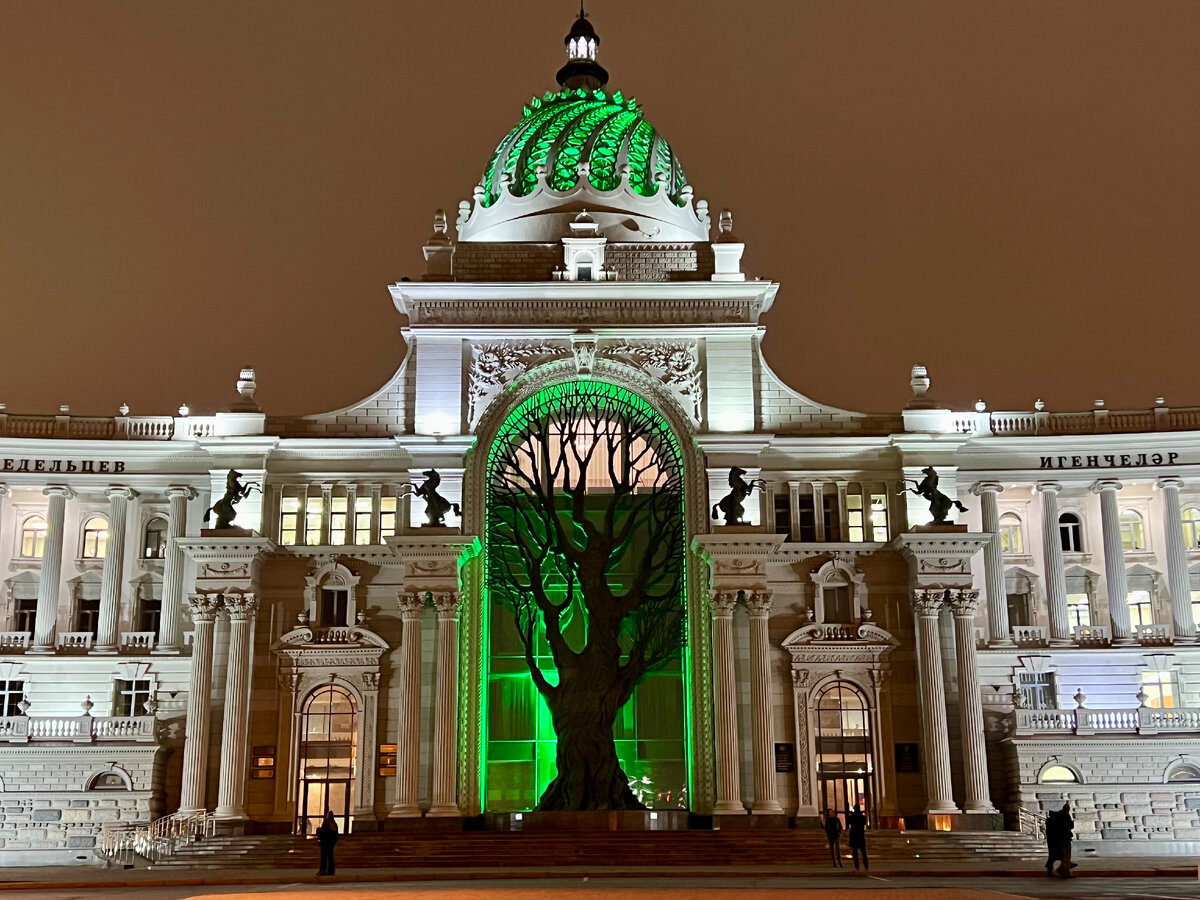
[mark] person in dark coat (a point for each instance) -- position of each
(327, 836)
(1066, 833)
(856, 824)
(1053, 841)
(833, 831)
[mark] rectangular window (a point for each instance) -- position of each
(339, 518)
(1018, 609)
(289, 521)
(313, 508)
(131, 696)
(1079, 611)
(807, 530)
(332, 612)
(149, 607)
(25, 614)
(87, 608)
(1037, 690)
(837, 604)
(833, 518)
(387, 760)
(362, 521)
(1140, 608)
(783, 512)
(387, 517)
(1196, 607)
(1161, 689)
(11, 694)
(854, 518)
(879, 518)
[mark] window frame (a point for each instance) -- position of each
(137, 687)
(10, 696)
(1190, 523)
(1008, 529)
(1135, 523)
(1067, 529)
(38, 536)
(97, 537)
(1153, 684)
(148, 529)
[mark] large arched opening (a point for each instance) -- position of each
(328, 748)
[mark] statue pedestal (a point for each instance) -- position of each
(230, 532)
(942, 528)
(738, 529)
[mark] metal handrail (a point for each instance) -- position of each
(165, 835)
(1032, 824)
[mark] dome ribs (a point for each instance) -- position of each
(607, 143)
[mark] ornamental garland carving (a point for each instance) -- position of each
(592, 312)
(675, 363)
(495, 365)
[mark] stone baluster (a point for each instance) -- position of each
(406, 805)
(231, 791)
(170, 632)
(1178, 581)
(963, 605)
(935, 739)
(110, 578)
(48, 587)
(758, 604)
(1114, 561)
(203, 608)
(729, 799)
(1056, 573)
(443, 794)
(993, 562)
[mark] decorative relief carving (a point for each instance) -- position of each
(964, 603)
(675, 363)
(584, 312)
(758, 603)
(224, 570)
(722, 603)
(241, 606)
(370, 681)
(584, 351)
(447, 604)
(927, 603)
(495, 365)
(204, 607)
(412, 605)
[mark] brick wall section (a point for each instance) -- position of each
(783, 411)
(536, 262)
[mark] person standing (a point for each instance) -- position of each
(856, 824)
(833, 831)
(327, 836)
(1053, 841)
(1066, 832)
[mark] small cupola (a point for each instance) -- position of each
(582, 70)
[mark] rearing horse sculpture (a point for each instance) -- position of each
(739, 489)
(235, 493)
(939, 503)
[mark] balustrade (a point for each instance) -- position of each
(14, 640)
(77, 729)
(75, 640)
(139, 640)
(1093, 635)
(1030, 635)
(1146, 720)
(1153, 635)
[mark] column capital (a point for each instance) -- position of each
(986, 487)
(1169, 481)
(964, 603)
(412, 605)
(758, 603)
(113, 491)
(447, 604)
(722, 603)
(241, 607)
(203, 607)
(1049, 487)
(3, 490)
(58, 490)
(180, 490)
(1105, 484)
(927, 603)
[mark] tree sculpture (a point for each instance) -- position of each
(586, 517)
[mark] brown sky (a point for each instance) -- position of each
(1006, 191)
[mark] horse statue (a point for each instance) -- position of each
(739, 489)
(235, 493)
(939, 503)
(436, 506)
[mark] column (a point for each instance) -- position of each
(1178, 581)
(231, 791)
(935, 740)
(204, 608)
(1114, 561)
(170, 632)
(114, 561)
(758, 604)
(48, 587)
(993, 564)
(963, 605)
(729, 799)
(444, 796)
(408, 756)
(1056, 573)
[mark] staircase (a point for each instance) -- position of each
(629, 849)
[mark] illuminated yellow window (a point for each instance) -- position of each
(854, 517)
(33, 537)
(95, 538)
(1011, 540)
(879, 522)
(1133, 533)
(387, 517)
(313, 507)
(1160, 688)
(289, 520)
(1191, 528)
(339, 518)
(362, 520)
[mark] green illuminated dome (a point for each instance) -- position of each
(604, 130)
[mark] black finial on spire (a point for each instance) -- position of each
(582, 70)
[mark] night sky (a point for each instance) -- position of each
(1007, 192)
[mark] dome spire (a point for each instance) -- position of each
(582, 70)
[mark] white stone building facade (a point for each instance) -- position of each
(344, 655)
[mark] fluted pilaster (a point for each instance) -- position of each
(1178, 581)
(1114, 561)
(993, 564)
(406, 805)
(204, 610)
(1056, 573)
(729, 794)
(758, 604)
(170, 632)
(935, 739)
(48, 587)
(443, 796)
(114, 562)
(231, 796)
(963, 605)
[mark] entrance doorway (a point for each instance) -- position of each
(328, 750)
(845, 764)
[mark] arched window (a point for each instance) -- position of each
(111, 780)
(1184, 772)
(95, 538)
(1133, 532)
(154, 539)
(845, 766)
(1010, 534)
(1069, 533)
(328, 753)
(1191, 527)
(1058, 775)
(33, 537)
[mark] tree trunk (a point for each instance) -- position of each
(590, 776)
